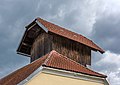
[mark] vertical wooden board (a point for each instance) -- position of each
(53, 42)
(38, 47)
(45, 44)
(49, 43)
(73, 50)
(89, 57)
(42, 45)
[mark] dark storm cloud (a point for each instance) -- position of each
(14, 15)
(77, 15)
(12, 21)
(107, 32)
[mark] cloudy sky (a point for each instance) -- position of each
(98, 20)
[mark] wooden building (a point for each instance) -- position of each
(41, 37)
(60, 57)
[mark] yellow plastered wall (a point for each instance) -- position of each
(49, 79)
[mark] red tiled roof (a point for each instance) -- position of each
(69, 34)
(52, 60)
(22, 73)
(59, 61)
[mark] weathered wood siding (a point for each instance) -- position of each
(41, 46)
(74, 50)
(44, 43)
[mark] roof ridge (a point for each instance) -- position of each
(48, 57)
(53, 51)
(82, 65)
(22, 73)
(96, 72)
(86, 41)
(63, 28)
(67, 58)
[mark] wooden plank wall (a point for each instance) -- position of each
(73, 50)
(40, 47)
(44, 43)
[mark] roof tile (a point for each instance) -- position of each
(69, 34)
(52, 60)
(59, 61)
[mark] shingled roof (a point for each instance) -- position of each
(69, 34)
(52, 60)
(32, 30)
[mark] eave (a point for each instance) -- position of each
(25, 47)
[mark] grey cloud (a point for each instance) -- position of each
(14, 15)
(106, 32)
(60, 12)
(79, 16)
(102, 66)
(107, 63)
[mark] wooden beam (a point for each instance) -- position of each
(31, 26)
(26, 44)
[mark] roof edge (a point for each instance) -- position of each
(42, 26)
(31, 76)
(97, 47)
(72, 74)
(53, 51)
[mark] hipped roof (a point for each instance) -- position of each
(51, 60)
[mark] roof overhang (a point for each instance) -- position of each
(33, 30)
(42, 26)
(29, 36)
